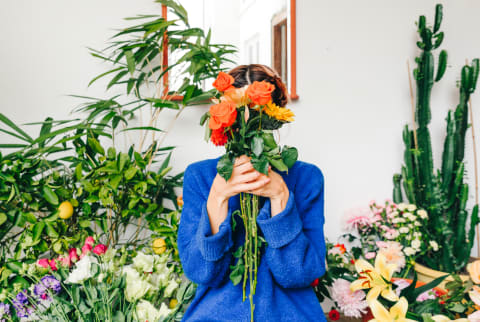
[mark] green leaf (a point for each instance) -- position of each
(37, 231)
(289, 156)
(225, 167)
(3, 218)
(260, 164)
(148, 128)
(278, 164)
(269, 140)
(130, 61)
(51, 231)
(50, 195)
(236, 274)
(95, 145)
(104, 74)
(84, 223)
(257, 146)
(130, 173)
(12, 125)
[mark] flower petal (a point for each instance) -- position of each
(362, 265)
(379, 311)
(373, 293)
(399, 310)
(358, 285)
(390, 294)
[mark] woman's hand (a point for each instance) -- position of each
(244, 179)
(275, 189)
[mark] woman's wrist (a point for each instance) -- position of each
(279, 201)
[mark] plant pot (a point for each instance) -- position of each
(426, 275)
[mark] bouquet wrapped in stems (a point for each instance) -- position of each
(243, 120)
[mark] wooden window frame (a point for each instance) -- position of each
(293, 56)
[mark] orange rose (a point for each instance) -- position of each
(223, 82)
(260, 92)
(222, 114)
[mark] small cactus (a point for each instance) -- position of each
(443, 193)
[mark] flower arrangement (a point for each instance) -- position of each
(370, 274)
(97, 283)
(242, 120)
(399, 232)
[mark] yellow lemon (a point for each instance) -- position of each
(65, 210)
(159, 246)
(173, 303)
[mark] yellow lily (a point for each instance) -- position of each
(397, 312)
(375, 278)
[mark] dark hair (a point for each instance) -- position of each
(246, 74)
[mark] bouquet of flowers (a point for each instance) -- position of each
(243, 120)
(399, 232)
(97, 284)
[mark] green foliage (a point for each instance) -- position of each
(443, 193)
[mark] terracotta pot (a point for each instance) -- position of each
(426, 275)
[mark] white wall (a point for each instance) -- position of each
(351, 75)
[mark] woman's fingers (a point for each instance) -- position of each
(246, 177)
(242, 168)
(248, 187)
(241, 160)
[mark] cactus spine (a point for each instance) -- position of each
(443, 193)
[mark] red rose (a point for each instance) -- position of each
(334, 315)
(260, 92)
(100, 249)
(72, 253)
(223, 82)
(53, 264)
(218, 137)
(315, 282)
(222, 114)
(43, 262)
(89, 241)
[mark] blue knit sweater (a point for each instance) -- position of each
(293, 258)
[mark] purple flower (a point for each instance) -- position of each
(20, 309)
(4, 311)
(52, 283)
(40, 290)
(22, 297)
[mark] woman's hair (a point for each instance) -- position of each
(247, 74)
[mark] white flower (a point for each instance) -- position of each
(404, 230)
(417, 234)
(398, 220)
(416, 244)
(145, 311)
(422, 214)
(417, 223)
(434, 245)
(82, 271)
(409, 251)
(411, 207)
(394, 213)
(409, 216)
(136, 286)
(172, 286)
(402, 206)
(408, 237)
(143, 262)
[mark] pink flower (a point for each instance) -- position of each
(427, 295)
(64, 260)
(86, 249)
(53, 264)
(100, 249)
(358, 218)
(391, 234)
(43, 262)
(72, 253)
(370, 255)
(392, 251)
(352, 304)
(89, 241)
(401, 284)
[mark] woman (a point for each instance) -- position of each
(290, 219)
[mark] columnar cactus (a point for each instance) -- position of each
(443, 193)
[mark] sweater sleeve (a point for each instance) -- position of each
(295, 251)
(205, 257)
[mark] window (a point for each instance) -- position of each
(280, 59)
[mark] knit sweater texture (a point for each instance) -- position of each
(293, 258)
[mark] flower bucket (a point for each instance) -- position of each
(426, 275)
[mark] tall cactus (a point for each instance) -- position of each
(443, 193)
